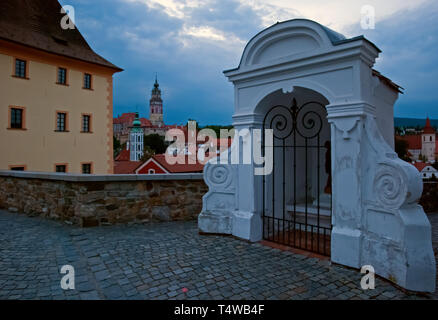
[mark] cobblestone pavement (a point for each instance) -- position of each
(164, 261)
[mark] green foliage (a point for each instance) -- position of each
(155, 143)
(217, 129)
(401, 147)
(117, 146)
(429, 199)
(147, 154)
(422, 158)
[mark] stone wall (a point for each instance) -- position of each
(103, 199)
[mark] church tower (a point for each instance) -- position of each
(428, 144)
(136, 137)
(156, 106)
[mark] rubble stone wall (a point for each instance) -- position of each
(103, 200)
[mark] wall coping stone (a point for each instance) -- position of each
(100, 178)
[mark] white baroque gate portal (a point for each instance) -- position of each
(376, 219)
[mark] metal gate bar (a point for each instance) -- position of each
(285, 229)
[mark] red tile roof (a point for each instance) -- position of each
(125, 118)
(420, 165)
(126, 167)
(428, 128)
(178, 168)
(414, 141)
(124, 155)
(145, 122)
(128, 118)
(36, 23)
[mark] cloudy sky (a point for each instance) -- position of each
(190, 42)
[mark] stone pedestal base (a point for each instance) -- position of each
(248, 226)
(209, 222)
(345, 247)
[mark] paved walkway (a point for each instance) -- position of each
(164, 261)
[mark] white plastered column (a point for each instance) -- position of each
(233, 203)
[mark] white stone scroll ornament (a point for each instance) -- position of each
(390, 187)
(395, 182)
(219, 202)
(218, 175)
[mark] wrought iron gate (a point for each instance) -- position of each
(293, 216)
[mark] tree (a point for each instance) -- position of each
(147, 154)
(217, 129)
(422, 158)
(401, 147)
(117, 146)
(155, 143)
(435, 164)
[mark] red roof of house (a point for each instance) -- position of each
(125, 118)
(428, 128)
(128, 118)
(145, 122)
(124, 155)
(126, 167)
(420, 165)
(178, 168)
(414, 141)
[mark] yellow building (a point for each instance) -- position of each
(56, 94)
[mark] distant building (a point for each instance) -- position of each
(158, 165)
(56, 100)
(426, 170)
(156, 106)
(136, 140)
(124, 163)
(425, 143)
(154, 125)
(155, 165)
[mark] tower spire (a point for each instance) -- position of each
(156, 105)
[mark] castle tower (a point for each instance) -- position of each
(136, 137)
(156, 106)
(428, 144)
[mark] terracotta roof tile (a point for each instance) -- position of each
(126, 167)
(428, 128)
(414, 141)
(145, 122)
(36, 23)
(420, 165)
(178, 168)
(124, 155)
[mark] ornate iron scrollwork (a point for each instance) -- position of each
(304, 120)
